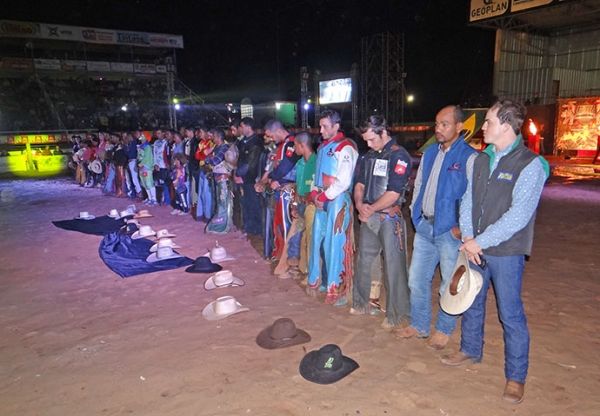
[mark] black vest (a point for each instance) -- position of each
(376, 185)
(492, 197)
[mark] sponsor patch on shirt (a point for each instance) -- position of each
(454, 166)
(290, 151)
(400, 168)
(380, 168)
(505, 176)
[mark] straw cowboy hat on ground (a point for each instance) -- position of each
(223, 278)
(163, 242)
(144, 231)
(162, 254)
(164, 233)
(218, 254)
(84, 215)
(464, 286)
(143, 213)
(222, 308)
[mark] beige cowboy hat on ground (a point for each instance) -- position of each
(161, 254)
(164, 233)
(218, 254)
(144, 231)
(163, 242)
(463, 287)
(84, 215)
(222, 308)
(224, 278)
(143, 213)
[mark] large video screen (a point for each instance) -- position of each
(335, 91)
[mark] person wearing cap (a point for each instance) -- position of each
(382, 179)
(440, 183)
(497, 215)
(282, 181)
(332, 226)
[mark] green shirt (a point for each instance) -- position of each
(305, 174)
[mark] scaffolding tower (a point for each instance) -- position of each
(382, 77)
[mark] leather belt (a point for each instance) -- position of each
(428, 218)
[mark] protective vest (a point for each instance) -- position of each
(492, 197)
(452, 185)
(327, 160)
(376, 173)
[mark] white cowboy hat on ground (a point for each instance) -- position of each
(84, 215)
(144, 213)
(126, 213)
(164, 233)
(463, 287)
(144, 231)
(161, 254)
(218, 254)
(163, 242)
(222, 308)
(114, 214)
(224, 278)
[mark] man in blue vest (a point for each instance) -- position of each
(497, 215)
(440, 183)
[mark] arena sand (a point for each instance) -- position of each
(78, 340)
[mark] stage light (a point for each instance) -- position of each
(278, 106)
(177, 106)
(306, 106)
(309, 101)
(124, 107)
(175, 100)
(410, 98)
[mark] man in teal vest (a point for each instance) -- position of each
(440, 184)
(497, 214)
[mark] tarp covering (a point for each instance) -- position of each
(98, 226)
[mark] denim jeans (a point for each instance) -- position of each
(109, 185)
(385, 233)
(133, 169)
(204, 208)
(428, 252)
(506, 275)
(251, 210)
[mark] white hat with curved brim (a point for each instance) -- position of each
(164, 233)
(114, 214)
(224, 278)
(463, 287)
(218, 254)
(144, 231)
(84, 215)
(95, 166)
(162, 254)
(222, 308)
(163, 242)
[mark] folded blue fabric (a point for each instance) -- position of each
(127, 257)
(98, 226)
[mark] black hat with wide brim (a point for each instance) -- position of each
(203, 265)
(326, 365)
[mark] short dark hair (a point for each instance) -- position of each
(459, 114)
(219, 133)
(333, 116)
(274, 125)
(304, 137)
(511, 112)
(248, 121)
(375, 123)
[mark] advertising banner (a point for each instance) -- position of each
(16, 64)
(121, 67)
(70, 65)
(519, 5)
(144, 68)
(12, 29)
(161, 69)
(578, 123)
(486, 9)
(98, 66)
(50, 64)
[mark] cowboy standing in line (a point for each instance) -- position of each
(497, 215)
(146, 167)
(332, 228)
(282, 180)
(378, 194)
(440, 183)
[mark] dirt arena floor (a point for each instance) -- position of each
(75, 339)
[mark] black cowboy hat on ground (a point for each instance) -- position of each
(203, 265)
(282, 333)
(326, 365)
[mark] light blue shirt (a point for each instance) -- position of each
(525, 198)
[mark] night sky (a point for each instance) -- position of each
(231, 47)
